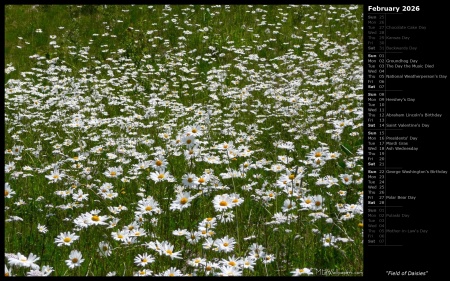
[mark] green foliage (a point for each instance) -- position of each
(135, 77)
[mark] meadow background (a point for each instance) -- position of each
(183, 140)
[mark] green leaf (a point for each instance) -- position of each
(359, 142)
(347, 149)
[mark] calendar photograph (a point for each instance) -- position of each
(184, 140)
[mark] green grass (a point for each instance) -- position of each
(290, 71)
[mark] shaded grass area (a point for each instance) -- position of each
(251, 75)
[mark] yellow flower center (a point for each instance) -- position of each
(232, 263)
(148, 208)
(120, 236)
(307, 201)
(184, 200)
(169, 251)
(67, 239)
(158, 162)
(194, 130)
(318, 203)
(74, 260)
(190, 180)
(6, 193)
(55, 176)
(188, 141)
(223, 203)
(160, 176)
(144, 260)
(201, 180)
(105, 248)
(318, 154)
(235, 200)
(113, 173)
(208, 268)
(291, 176)
(95, 218)
(225, 244)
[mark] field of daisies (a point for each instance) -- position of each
(183, 140)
